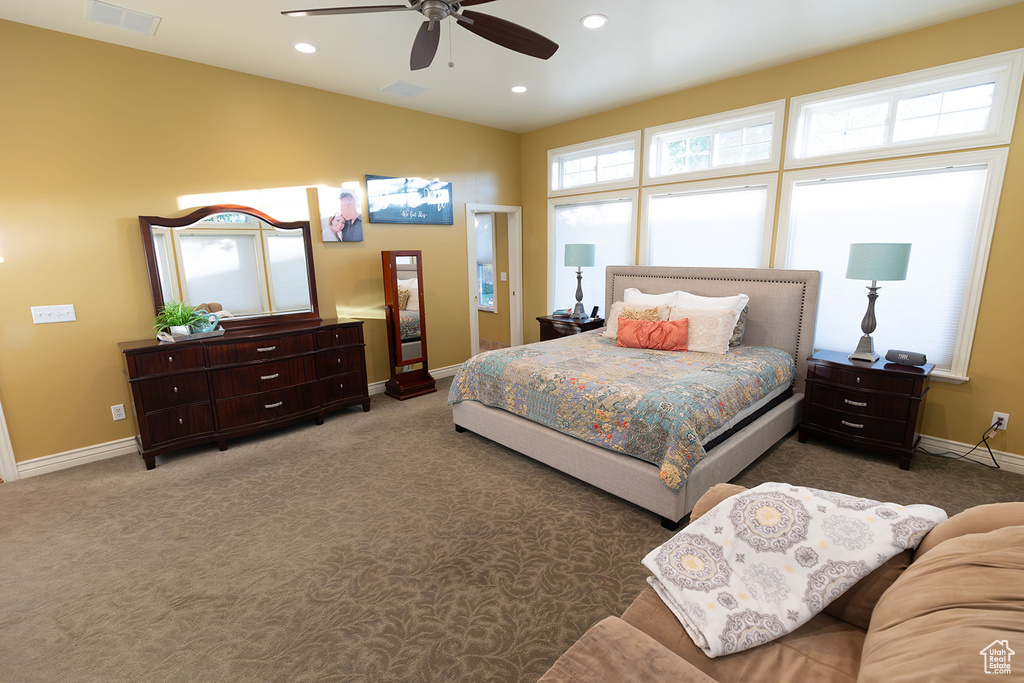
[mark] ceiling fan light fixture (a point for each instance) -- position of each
(306, 48)
(594, 21)
(518, 89)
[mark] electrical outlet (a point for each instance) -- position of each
(1004, 416)
(53, 314)
(118, 412)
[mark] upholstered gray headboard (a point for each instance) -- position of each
(783, 303)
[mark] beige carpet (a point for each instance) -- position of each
(378, 547)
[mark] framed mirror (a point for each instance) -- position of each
(260, 270)
(407, 325)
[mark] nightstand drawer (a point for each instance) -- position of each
(858, 402)
(860, 426)
(864, 380)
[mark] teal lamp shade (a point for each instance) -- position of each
(878, 261)
(874, 261)
(579, 255)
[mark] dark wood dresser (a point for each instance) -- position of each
(874, 406)
(553, 328)
(243, 382)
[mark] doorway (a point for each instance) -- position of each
(510, 312)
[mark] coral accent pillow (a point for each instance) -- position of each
(662, 335)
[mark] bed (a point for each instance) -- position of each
(782, 313)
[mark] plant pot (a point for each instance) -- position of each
(180, 330)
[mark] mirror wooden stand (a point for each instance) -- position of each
(406, 323)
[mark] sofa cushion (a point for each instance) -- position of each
(856, 604)
(822, 650)
(975, 520)
(613, 651)
(962, 596)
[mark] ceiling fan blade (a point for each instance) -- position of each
(346, 10)
(467, 3)
(507, 34)
(425, 45)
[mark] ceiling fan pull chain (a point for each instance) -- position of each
(451, 62)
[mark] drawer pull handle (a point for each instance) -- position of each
(274, 376)
(175, 389)
(852, 424)
(274, 405)
(858, 380)
(341, 386)
(859, 404)
(266, 348)
(180, 421)
(170, 359)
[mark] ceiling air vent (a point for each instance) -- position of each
(405, 89)
(119, 17)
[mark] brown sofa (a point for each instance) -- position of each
(923, 615)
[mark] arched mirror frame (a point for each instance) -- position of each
(410, 383)
(147, 223)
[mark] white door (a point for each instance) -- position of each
(514, 309)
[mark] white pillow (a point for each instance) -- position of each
(632, 295)
(634, 311)
(709, 330)
(414, 297)
(696, 302)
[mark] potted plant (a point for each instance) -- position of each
(177, 317)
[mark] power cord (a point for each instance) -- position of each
(989, 433)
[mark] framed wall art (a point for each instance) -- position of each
(409, 200)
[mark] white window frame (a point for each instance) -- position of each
(767, 180)
(1005, 68)
(261, 267)
(996, 161)
(771, 112)
(269, 272)
(557, 157)
(553, 259)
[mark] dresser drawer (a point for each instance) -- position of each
(861, 426)
(859, 402)
(265, 407)
(263, 349)
(178, 423)
(339, 336)
(865, 380)
(169, 360)
(343, 387)
(174, 390)
(339, 361)
(259, 377)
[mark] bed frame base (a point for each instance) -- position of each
(624, 476)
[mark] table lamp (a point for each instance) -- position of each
(579, 256)
(875, 261)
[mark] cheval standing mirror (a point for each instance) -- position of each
(407, 325)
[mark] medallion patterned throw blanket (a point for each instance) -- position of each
(653, 405)
(763, 562)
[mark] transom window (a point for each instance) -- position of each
(957, 106)
(607, 163)
(739, 141)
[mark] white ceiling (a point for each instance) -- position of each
(649, 47)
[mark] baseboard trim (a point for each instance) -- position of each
(436, 373)
(945, 448)
(79, 456)
(112, 449)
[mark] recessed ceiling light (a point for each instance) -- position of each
(594, 20)
(518, 88)
(308, 48)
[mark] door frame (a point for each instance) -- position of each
(8, 466)
(515, 271)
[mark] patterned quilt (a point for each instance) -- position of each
(653, 405)
(409, 324)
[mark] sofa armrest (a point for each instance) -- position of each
(612, 651)
(976, 520)
(714, 495)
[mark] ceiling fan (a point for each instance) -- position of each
(499, 31)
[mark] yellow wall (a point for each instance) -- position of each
(957, 412)
(95, 135)
(496, 325)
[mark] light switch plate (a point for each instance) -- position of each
(64, 313)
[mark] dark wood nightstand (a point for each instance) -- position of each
(874, 406)
(553, 328)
